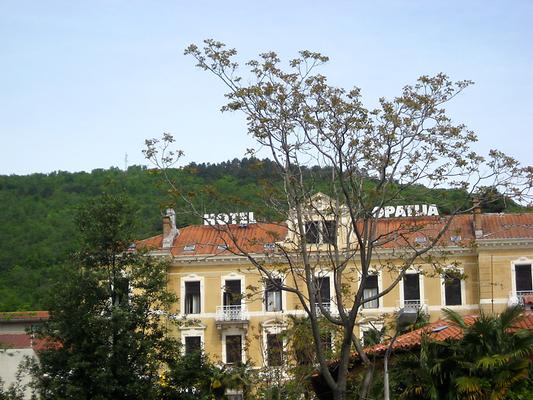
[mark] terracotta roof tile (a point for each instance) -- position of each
(392, 233)
(439, 330)
(507, 226)
(209, 240)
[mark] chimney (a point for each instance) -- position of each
(169, 228)
(476, 209)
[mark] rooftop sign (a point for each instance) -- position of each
(240, 218)
(416, 210)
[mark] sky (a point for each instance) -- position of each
(85, 83)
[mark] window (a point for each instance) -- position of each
(371, 289)
(321, 232)
(312, 234)
(233, 349)
(523, 277)
(232, 292)
(323, 293)
(193, 344)
(329, 233)
(121, 291)
(452, 290)
(189, 247)
(411, 287)
(192, 297)
(372, 335)
(274, 350)
(273, 295)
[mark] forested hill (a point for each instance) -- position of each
(37, 231)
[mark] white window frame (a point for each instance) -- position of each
(233, 332)
(514, 263)
(275, 275)
(192, 278)
(272, 328)
(412, 270)
(373, 271)
(443, 289)
(232, 277)
(192, 332)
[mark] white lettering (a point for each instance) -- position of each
(412, 210)
(433, 210)
(229, 218)
(389, 210)
(400, 212)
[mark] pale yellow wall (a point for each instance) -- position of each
(483, 281)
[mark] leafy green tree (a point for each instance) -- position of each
(491, 361)
(107, 331)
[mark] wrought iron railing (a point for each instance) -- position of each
(413, 305)
(518, 296)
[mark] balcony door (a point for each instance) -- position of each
(523, 278)
(411, 288)
(232, 292)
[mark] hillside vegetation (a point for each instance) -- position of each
(37, 231)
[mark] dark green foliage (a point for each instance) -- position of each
(107, 334)
(194, 377)
(37, 232)
(489, 362)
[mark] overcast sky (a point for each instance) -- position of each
(83, 83)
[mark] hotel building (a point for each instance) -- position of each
(237, 316)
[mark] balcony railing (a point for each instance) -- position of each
(413, 305)
(325, 306)
(518, 297)
(232, 313)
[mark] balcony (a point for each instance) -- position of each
(413, 305)
(232, 316)
(518, 297)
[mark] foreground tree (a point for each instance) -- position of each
(374, 157)
(106, 334)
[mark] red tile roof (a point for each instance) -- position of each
(439, 330)
(209, 240)
(393, 233)
(507, 226)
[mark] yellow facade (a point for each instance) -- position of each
(488, 263)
